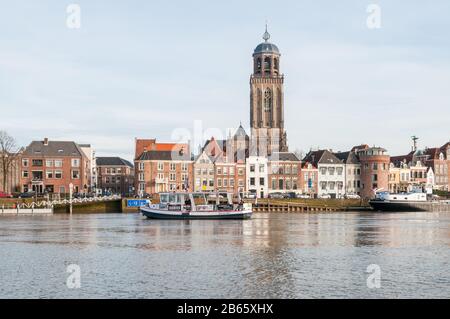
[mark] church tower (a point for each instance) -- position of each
(267, 101)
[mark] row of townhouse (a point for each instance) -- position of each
(54, 167)
(428, 169)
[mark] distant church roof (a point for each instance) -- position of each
(240, 132)
(266, 46)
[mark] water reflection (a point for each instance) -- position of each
(269, 256)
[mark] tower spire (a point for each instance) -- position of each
(266, 35)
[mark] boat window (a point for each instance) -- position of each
(164, 198)
(172, 198)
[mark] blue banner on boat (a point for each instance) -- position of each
(137, 202)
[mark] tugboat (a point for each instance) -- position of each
(197, 206)
(415, 201)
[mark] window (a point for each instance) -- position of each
(25, 162)
(219, 171)
(172, 187)
(197, 182)
(183, 177)
(375, 166)
(184, 167)
(339, 170)
(241, 183)
(37, 162)
(49, 174)
(240, 172)
(288, 184)
(280, 184)
(219, 182)
(231, 182)
(274, 183)
(323, 185)
(172, 177)
(160, 166)
(25, 174)
(287, 169)
(261, 168)
(225, 171)
(252, 168)
(375, 177)
(294, 170)
(332, 185)
(204, 171)
(231, 170)
(58, 174)
(323, 171)
(141, 177)
(294, 183)
(211, 183)
(173, 167)
(331, 170)
(211, 172)
(141, 166)
(49, 163)
(252, 181)
(261, 181)
(75, 174)
(75, 162)
(198, 171)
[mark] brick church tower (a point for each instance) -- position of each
(267, 101)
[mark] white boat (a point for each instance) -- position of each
(196, 206)
(410, 202)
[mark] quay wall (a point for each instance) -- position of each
(113, 206)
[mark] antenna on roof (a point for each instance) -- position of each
(415, 139)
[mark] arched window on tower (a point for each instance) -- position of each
(267, 64)
(258, 66)
(268, 100)
(275, 65)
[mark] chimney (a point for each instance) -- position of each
(46, 141)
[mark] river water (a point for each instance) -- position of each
(270, 256)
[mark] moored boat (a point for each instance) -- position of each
(407, 202)
(196, 206)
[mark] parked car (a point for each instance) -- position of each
(325, 196)
(27, 195)
(290, 195)
(5, 195)
(276, 195)
(352, 196)
(303, 196)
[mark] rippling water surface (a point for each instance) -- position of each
(269, 256)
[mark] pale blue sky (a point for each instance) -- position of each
(145, 68)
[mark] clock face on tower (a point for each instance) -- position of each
(266, 100)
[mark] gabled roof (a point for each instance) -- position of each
(321, 157)
(112, 161)
(284, 157)
(348, 157)
(163, 156)
(53, 148)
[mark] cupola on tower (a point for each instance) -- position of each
(266, 100)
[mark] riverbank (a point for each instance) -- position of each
(260, 205)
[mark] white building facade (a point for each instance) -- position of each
(257, 176)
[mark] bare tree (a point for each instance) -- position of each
(8, 154)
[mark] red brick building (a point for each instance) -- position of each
(52, 166)
(162, 167)
(374, 170)
(309, 179)
(284, 172)
(115, 175)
